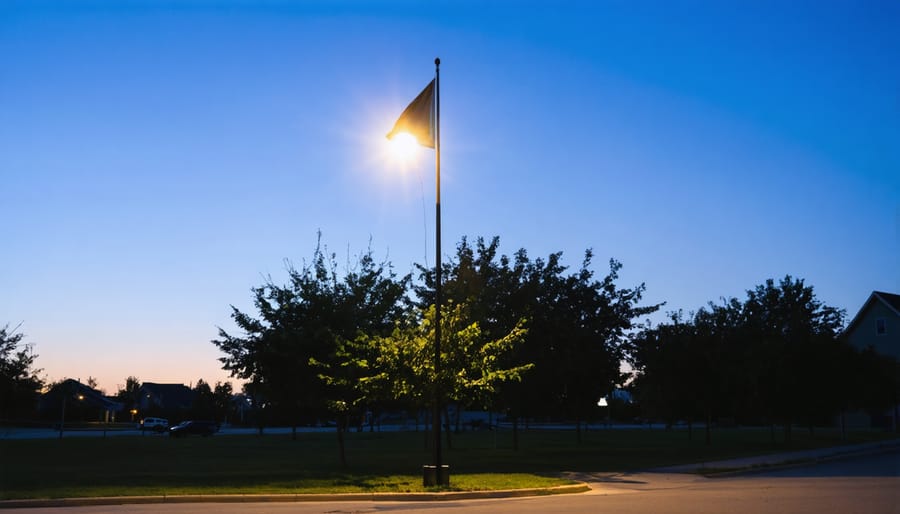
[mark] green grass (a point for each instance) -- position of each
(378, 462)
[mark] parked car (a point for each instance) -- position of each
(155, 424)
(186, 428)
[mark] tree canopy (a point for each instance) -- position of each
(775, 357)
(19, 381)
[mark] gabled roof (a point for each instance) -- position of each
(72, 387)
(890, 300)
(169, 395)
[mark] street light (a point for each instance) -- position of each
(603, 403)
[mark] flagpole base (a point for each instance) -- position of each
(430, 476)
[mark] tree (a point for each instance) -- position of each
(788, 328)
(203, 405)
(472, 366)
(301, 335)
(130, 395)
(664, 367)
(493, 290)
(576, 324)
(223, 396)
(578, 330)
(19, 381)
(293, 329)
(365, 304)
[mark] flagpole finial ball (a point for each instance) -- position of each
(437, 61)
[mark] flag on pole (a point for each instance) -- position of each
(418, 118)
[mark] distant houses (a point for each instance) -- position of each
(84, 403)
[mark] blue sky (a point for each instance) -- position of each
(159, 159)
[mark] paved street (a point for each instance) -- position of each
(865, 485)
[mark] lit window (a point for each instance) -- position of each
(880, 326)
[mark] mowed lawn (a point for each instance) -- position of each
(378, 462)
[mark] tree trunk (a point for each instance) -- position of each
(843, 425)
(896, 412)
(427, 434)
(515, 433)
(690, 429)
(708, 428)
(446, 425)
(340, 435)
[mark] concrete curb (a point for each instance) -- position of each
(266, 498)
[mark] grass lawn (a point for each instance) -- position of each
(378, 462)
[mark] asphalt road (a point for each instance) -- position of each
(869, 485)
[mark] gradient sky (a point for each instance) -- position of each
(158, 159)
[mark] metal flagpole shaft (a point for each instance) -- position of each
(438, 468)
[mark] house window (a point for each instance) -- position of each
(880, 326)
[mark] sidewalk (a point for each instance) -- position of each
(782, 459)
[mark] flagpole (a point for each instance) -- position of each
(438, 468)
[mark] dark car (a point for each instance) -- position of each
(186, 428)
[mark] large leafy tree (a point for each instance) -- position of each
(493, 289)
(366, 303)
(301, 329)
(19, 381)
(473, 364)
(790, 330)
(577, 323)
(591, 321)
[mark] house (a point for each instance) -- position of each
(877, 325)
(83, 402)
(165, 397)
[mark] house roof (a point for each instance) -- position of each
(88, 395)
(890, 300)
(169, 395)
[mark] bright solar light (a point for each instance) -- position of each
(404, 147)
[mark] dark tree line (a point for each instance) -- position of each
(775, 358)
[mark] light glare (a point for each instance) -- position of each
(404, 147)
